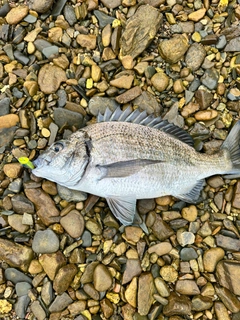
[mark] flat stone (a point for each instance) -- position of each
(145, 205)
(210, 79)
(168, 273)
(47, 293)
(87, 41)
(52, 262)
(138, 32)
(148, 102)
(236, 196)
(221, 311)
(228, 275)
(45, 241)
(195, 56)
(177, 305)
(15, 221)
(188, 254)
(67, 117)
(15, 255)
(46, 209)
(8, 120)
(200, 303)
(206, 115)
(174, 49)
(123, 82)
(133, 234)
(22, 288)
(15, 15)
(16, 276)
(161, 248)
(21, 306)
(77, 307)
(133, 269)
(146, 290)
(203, 98)
(93, 226)
(131, 293)
(102, 278)
(91, 291)
(161, 229)
(107, 308)
(187, 287)
(211, 257)
(228, 298)
(129, 95)
(227, 243)
(162, 287)
(233, 45)
(60, 303)
(64, 278)
(73, 223)
(38, 310)
(190, 213)
(88, 272)
(4, 106)
(197, 15)
(41, 6)
(7, 135)
(50, 77)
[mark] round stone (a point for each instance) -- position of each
(73, 223)
(211, 257)
(45, 242)
(50, 78)
(168, 273)
(102, 278)
(160, 81)
(190, 213)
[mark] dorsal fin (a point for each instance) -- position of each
(144, 119)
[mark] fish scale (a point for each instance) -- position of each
(125, 160)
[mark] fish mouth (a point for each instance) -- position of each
(40, 162)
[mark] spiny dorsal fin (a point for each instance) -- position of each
(144, 119)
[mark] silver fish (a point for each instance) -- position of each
(129, 155)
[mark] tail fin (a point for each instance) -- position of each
(232, 144)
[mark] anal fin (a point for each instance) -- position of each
(194, 193)
(124, 209)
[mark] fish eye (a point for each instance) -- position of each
(58, 146)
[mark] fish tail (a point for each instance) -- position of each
(232, 144)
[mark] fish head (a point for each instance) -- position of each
(65, 161)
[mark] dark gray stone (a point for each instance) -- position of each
(4, 106)
(16, 276)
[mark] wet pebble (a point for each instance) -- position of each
(73, 223)
(45, 241)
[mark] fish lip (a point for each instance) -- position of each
(40, 162)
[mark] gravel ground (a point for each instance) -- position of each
(63, 254)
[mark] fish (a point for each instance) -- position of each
(126, 156)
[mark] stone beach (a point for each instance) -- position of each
(63, 254)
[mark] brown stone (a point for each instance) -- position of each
(46, 209)
(77, 307)
(206, 115)
(211, 257)
(203, 98)
(123, 82)
(52, 262)
(129, 95)
(12, 170)
(228, 298)
(187, 287)
(16, 255)
(139, 33)
(8, 121)
(50, 77)
(102, 278)
(161, 229)
(177, 305)
(228, 274)
(64, 278)
(174, 49)
(197, 15)
(161, 248)
(146, 290)
(133, 269)
(15, 15)
(88, 41)
(73, 223)
(107, 308)
(160, 81)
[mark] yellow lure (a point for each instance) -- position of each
(26, 162)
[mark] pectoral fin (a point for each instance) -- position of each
(123, 169)
(123, 209)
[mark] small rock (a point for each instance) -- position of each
(129, 95)
(174, 49)
(228, 243)
(45, 241)
(91, 291)
(210, 78)
(162, 287)
(47, 293)
(40, 6)
(77, 307)
(233, 45)
(88, 41)
(177, 305)
(203, 98)
(190, 213)
(221, 311)
(15, 255)
(4, 106)
(133, 234)
(12, 170)
(50, 77)
(147, 101)
(60, 303)
(5, 306)
(52, 262)
(64, 277)
(146, 290)
(161, 229)
(94, 227)
(161, 248)
(211, 257)
(133, 269)
(206, 115)
(15, 15)
(123, 82)
(228, 298)
(187, 287)
(15, 221)
(107, 307)
(102, 278)
(21, 306)
(100, 104)
(160, 81)
(73, 223)
(66, 117)
(38, 310)
(185, 237)
(168, 273)
(188, 254)
(200, 303)
(16, 276)
(227, 273)
(197, 15)
(8, 121)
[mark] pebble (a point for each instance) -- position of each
(8, 120)
(173, 50)
(22, 288)
(64, 278)
(133, 269)
(161, 248)
(177, 305)
(4, 106)
(5, 306)
(73, 223)
(188, 254)
(185, 237)
(38, 310)
(40, 6)
(87, 41)
(210, 79)
(93, 226)
(161, 229)
(21, 306)
(45, 241)
(129, 95)
(195, 56)
(187, 287)
(203, 98)
(227, 273)
(71, 118)
(124, 82)
(160, 81)
(197, 15)
(16, 276)
(228, 298)
(190, 213)
(147, 101)
(138, 32)
(133, 234)
(200, 303)
(52, 262)
(12, 170)
(205, 115)
(146, 290)
(15, 15)
(15, 255)
(47, 293)
(50, 77)
(211, 257)
(60, 303)
(168, 273)
(162, 287)
(102, 279)
(15, 221)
